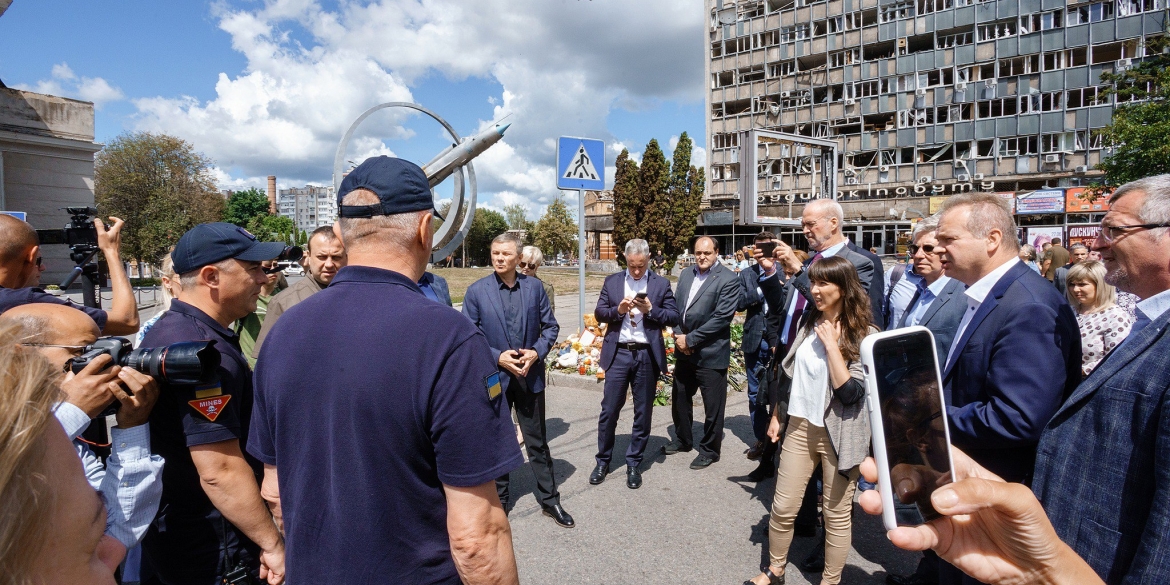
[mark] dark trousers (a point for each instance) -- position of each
(632, 369)
(530, 414)
(180, 550)
(689, 378)
(755, 363)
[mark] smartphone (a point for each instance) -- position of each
(766, 248)
(640, 296)
(908, 416)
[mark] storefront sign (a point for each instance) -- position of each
(1045, 201)
(1083, 234)
(936, 204)
(1011, 199)
(1077, 201)
(1038, 236)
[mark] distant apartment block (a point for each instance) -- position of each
(924, 98)
(309, 207)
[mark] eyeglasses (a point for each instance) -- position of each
(926, 249)
(40, 261)
(1110, 233)
(809, 224)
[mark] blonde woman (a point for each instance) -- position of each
(531, 259)
(53, 528)
(169, 287)
(1103, 323)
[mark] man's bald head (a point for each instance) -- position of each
(16, 237)
(47, 323)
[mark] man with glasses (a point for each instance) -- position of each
(938, 302)
(21, 266)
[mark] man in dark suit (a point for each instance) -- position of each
(513, 311)
(708, 295)
(636, 305)
(1017, 352)
(435, 288)
(758, 343)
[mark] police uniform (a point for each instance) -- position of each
(183, 545)
(15, 297)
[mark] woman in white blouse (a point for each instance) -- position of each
(1103, 323)
(825, 412)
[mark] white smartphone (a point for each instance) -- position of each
(907, 413)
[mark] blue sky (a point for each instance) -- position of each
(268, 87)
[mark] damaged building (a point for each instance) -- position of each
(923, 98)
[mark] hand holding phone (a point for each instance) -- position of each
(766, 248)
(640, 296)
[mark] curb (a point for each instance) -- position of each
(576, 381)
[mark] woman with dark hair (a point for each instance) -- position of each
(826, 419)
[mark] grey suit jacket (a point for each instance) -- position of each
(707, 321)
(1103, 462)
(942, 317)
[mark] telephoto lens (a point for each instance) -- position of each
(188, 362)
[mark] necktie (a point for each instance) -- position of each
(798, 308)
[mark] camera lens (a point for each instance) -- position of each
(189, 362)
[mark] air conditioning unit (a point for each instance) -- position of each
(785, 94)
(1123, 64)
(884, 168)
(960, 163)
(850, 101)
(774, 110)
(977, 176)
(924, 179)
(902, 43)
(1051, 158)
(920, 92)
(850, 173)
(1082, 169)
(963, 178)
(961, 86)
(991, 83)
(850, 180)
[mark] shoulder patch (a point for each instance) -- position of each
(210, 408)
(492, 383)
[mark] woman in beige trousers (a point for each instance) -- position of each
(826, 419)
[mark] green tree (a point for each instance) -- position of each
(627, 203)
(517, 217)
(1137, 134)
(653, 183)
(275, 228)
(685, 195)
(244, 206)
(555, 231)
(160, 185)
(485, 225)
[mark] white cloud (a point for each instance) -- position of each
(563, 66)
(64, 82)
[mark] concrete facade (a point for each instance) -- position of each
(46, 163)
(309, 207)
(924, 98)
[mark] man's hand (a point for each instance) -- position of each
(680, 343)
(642, 304)
(787, 259)
(527, 358)
(510, 361)
(109, 239)
(992, 530)
(139, 401)
(272, 564)
(766, 264)
(91, 389)
(625, 306)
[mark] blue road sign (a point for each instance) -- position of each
(580, 163)
(17, 214)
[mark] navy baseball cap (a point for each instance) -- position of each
(400, 184)
(208, 243)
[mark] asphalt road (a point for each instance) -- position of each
(682, 527)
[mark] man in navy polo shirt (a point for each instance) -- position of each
(380, 416)
(211, 520)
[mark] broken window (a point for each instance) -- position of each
(1016, 146)
(1131, 7)
(1083, 97)
(843, 58)
(995, 30)
(996, 108)
(1031, 23)
(1095, 12)
(951, 41)
(896, 11)
(1059, 142)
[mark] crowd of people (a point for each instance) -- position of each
(359, 392)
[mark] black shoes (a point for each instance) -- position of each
(560, 516)
(674, 447)
(815, 561)
(753, 453)
(599, 474)
(633, 478)
(702, 462)
(764, 471)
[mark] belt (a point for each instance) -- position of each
(633, 346)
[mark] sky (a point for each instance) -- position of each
(268, 87)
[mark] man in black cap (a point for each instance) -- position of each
(212, 521)
(380, 416)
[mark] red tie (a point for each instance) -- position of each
(798, 308)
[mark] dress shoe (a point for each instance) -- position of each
(633, 478)
(764, 471)
(702, 462)
(599, 474)
(674, 447)
(755, 451)
(559, 515)
(912, 579)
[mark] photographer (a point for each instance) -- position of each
(21, 267)
(213, 525)
(130, 481)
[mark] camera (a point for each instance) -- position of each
(289, 254)
(187, 362)
(79, 233)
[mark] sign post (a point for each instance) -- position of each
(580, 166)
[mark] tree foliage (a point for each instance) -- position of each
(244, 206)
(555, 231)
(485, 225)
(277, 228)
(160, 185)
(1137, 134)
(657, 202)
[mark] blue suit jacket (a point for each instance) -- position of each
(663, 313)
(482, 305)
(942, 317)
(439, 285)
(1103, 464)
(1017, 361)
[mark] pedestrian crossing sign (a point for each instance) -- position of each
(580, 163)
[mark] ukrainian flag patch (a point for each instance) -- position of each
(492, 383)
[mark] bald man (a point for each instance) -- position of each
(21, 267)
(131, 479)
